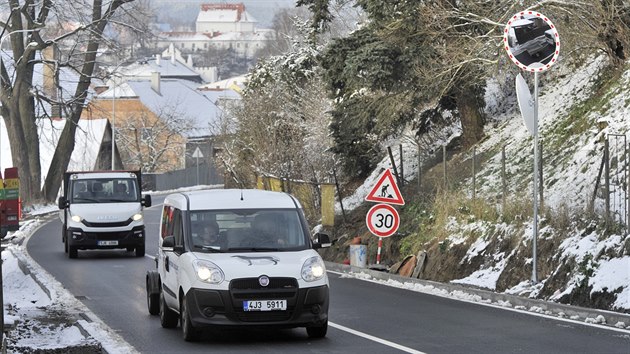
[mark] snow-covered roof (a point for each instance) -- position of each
(224, 13)
(198, 107)
(258, 35)
(166, 67)
(236, 83)
(122, 90)
(185, 36)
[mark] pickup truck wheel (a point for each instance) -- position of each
(317, 331)
(168, 317)
(140, 251)
(189, 332)
(72, 251)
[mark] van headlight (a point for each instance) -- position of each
(76, 218)
(208, 272)
(137, 217)
(313, 269)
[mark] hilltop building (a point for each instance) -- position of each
(220, 26)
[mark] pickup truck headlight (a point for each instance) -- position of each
(137, 217)
(313, 269)
(208, 272)
(76, 218)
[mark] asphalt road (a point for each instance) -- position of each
(365, 317)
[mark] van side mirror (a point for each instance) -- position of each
(146, 201)
(321, 240)
(62, 203)
(168, 242)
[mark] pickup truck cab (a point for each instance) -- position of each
(258, 268)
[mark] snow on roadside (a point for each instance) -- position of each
(26, 300)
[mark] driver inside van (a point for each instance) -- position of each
(210, 234)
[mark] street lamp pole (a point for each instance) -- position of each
(114, 119)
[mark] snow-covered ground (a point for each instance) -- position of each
(43, 314)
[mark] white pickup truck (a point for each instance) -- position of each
(102, 210)
(238, 258)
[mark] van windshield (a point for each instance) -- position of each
(104, 190)
(247, 230)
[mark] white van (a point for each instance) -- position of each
(102, 210)
(238, 258)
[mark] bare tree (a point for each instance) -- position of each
(75, 27)
(154, 143)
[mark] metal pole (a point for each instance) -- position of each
(419, 170)
(378, 252)
(114, 121)
(402, 165)
(535, 189)
(503, 180)
(607, 178)
(444, 164)
(474, 181)
(197, 169)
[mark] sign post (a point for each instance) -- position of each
(382, 219)
(532, 43)
(197, 154)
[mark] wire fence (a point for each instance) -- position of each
(599, 184)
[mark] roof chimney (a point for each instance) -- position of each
(173, 59)
(155, 82)
(189, 62)
(157, 59)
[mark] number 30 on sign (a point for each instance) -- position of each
(382, 220)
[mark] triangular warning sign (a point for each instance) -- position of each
(386, 190)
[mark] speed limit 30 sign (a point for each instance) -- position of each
(382, 220)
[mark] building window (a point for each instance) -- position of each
(192, 46)
(205, 46)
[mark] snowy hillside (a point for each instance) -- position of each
(579, 260)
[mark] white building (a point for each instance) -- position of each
(224, 18)
(220, 26)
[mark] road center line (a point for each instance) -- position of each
(375, 339)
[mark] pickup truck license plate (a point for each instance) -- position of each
(107, 243)
(265, 305)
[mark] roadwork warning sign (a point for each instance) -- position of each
(386, 190)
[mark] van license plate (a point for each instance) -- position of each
(265, 305)
(107, 243)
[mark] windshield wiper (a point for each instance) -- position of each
(212, 249)
(253, 249)
(85, 199)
